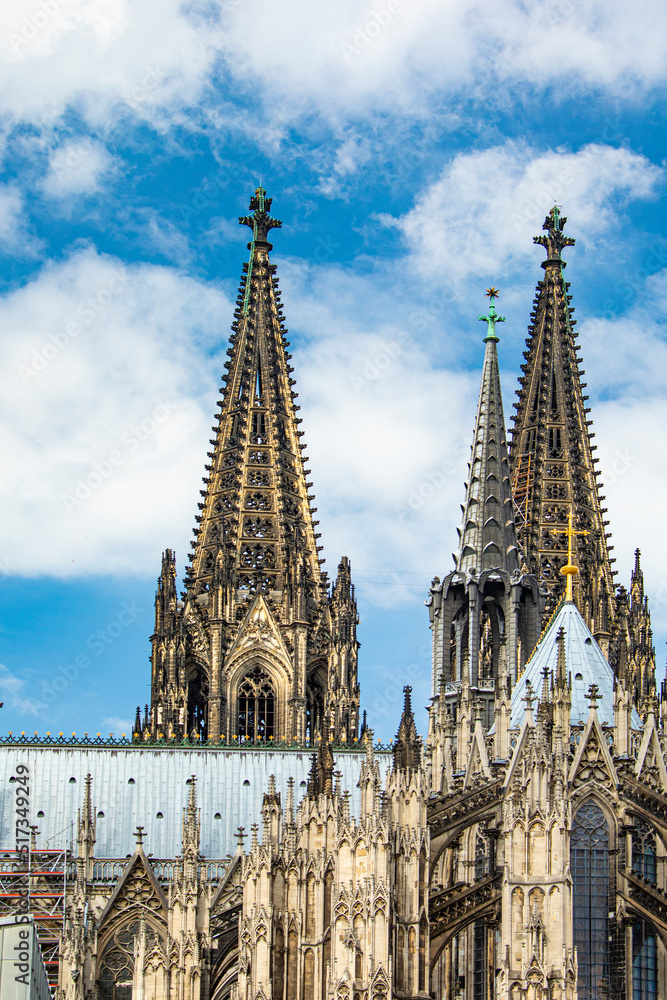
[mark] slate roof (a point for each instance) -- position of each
(149, 787)
(585, 663)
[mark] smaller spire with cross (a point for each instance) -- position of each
(139, 834)
(493, 317)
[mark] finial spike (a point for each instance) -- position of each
(493, 317)
(555, 239)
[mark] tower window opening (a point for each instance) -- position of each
(555, 445)
(259, 428)
(257, 706)
(258, 384)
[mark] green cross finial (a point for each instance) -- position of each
(493, 317)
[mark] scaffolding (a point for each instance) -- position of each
(521, 491)
(35, 882)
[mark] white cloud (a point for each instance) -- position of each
(399, 56)
(388, 431)
(107, 404)
(15, 237)
(115, 725)
(12, 690)
(478, 217)
(633, 474)
(97, 55)
(335, 56)
(77, 167)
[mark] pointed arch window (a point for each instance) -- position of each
(258, 428)
(116, 968)
(555, 443)
(480, 961)
(196, 705)
(644, 961)
(257, 706)
(643, 850)
(589, 859)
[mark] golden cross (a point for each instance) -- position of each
(570, 570)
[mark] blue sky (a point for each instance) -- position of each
(412, 151)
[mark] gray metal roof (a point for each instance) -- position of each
(131, 787)
(585, 663)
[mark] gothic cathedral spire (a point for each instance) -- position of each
(485, 615)
(551, 452)
(257, 649)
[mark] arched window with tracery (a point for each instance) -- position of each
(257, 706)
(116, 969)
(643, 850)
(482, 854)
(589, 859)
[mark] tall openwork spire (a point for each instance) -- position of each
(485, 614)
(256, 510)
(249, 652)
(551, 452)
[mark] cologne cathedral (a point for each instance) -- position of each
(515, 852)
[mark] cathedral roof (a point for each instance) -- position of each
(585, 664)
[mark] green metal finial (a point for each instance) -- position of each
(493, 316)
